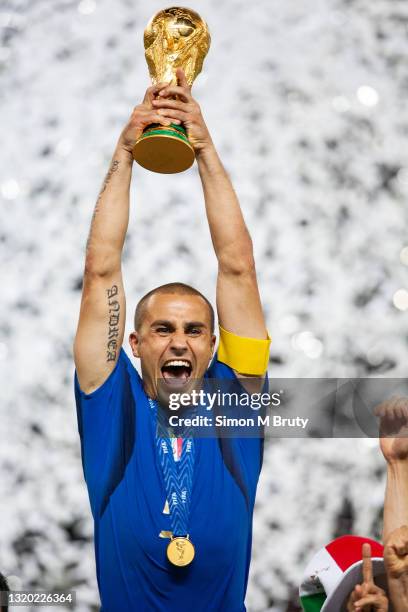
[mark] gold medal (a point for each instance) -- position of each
(180, 551)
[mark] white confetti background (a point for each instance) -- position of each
(306, 101)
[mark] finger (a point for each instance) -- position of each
(156, 118)
(376, 601)
(168, 103)
(354, 596)
(175, 90)
(401, 407)
(380, 410)
(174, 114)
(399, 540)
(393, 411)
(181, 78)
(152, 115)
(168, 120)
(373, 589)
(386, 407)
(367, 564)
(153, 91)
(401, 547)
(158, 86)
(390, 421)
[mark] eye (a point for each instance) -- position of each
(162, 330)
(194, 331)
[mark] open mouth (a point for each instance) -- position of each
(176, 372)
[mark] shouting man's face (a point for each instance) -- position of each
(174, 342)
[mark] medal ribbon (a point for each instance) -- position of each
(177, 476)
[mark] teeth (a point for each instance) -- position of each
(177, 362)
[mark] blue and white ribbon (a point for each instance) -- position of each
(177, 476)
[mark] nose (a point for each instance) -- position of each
(178, 344)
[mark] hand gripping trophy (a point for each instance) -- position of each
(174, 38)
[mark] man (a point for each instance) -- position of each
(325, 592)
(125, 471)
(394, 446)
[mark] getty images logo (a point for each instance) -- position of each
(207, 400)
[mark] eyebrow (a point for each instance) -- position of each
(166, 323)
(162, 322)
(194, 324)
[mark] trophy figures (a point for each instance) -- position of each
(174, 38)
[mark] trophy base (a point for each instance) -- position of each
(164, 149)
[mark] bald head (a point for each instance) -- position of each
(170, 289)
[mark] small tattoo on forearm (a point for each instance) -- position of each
(113, 168)
(113, 329)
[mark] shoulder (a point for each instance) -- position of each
(218, 369)
(123, 369)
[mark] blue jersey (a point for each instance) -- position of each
(127, 496)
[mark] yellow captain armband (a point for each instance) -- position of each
(244, 355)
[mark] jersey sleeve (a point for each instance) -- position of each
(106, 424)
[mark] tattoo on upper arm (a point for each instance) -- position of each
(113, 329)
(113, 168)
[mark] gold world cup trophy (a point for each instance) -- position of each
(174, 38)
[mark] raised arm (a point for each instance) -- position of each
(394, 445)
(101, 323)
(238, 302)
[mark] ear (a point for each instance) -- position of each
(134, 343)
(213, 341)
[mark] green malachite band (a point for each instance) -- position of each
(313, 603)
(179, 128)
(177, 131)
(165, 132)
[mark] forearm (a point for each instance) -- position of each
(396, 497)
(398, 593)
(230, 236)
(111, 216)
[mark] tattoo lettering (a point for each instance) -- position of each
(112, 292)
(113, 329)
(112, 169)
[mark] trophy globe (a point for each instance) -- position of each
(174, 38)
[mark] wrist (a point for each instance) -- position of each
(397, 467)
(206, 152)
(123, 152)
(209, 162)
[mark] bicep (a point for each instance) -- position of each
(100, 331)
(239, 304)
